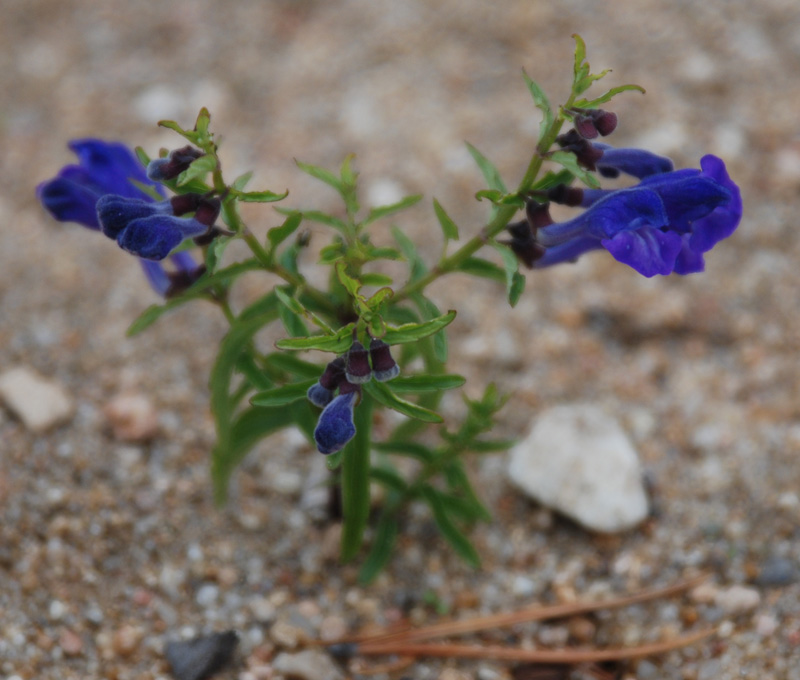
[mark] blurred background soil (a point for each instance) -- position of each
(109, 547)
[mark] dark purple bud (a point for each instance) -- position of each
(585, 126)
(181, 279)
(185, 203)
(384, 367)
(346, 387)
(357, 368)
(605, 122)
(564, 195)
(207, 211)
(526, 250)
(333, 374)
(520, 230)
(160, 169)
(586, 153)
(538, 214)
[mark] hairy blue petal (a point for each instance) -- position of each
(319, 395)
(622, 210)
(335, 427)
(111, 166)
(723, 220)
(649, 251)
(68, 201)
(635, 162)
(153, 238)
(568, 251)
(689, 261)
(117, 212)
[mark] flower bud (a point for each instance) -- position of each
(586, 153)
(160, 169)
(565, 195)
(384, 367)
(357, 367)
(335, 426)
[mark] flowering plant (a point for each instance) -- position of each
(372, 326)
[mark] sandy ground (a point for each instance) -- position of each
(109, 548)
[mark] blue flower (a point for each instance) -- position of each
(147, 229)
(662, 225)
(638, 163)
(108, 168)
(335, 427)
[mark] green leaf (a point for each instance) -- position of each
(385, 210)
(191, 135)
(214, 253)
(380, 296)
(381, 551)
(260, 196)
(337, 343)
(409, 249)
(430, 311)
(426, 383)
(291, 363)
(278, 235)
(316, 216)
(388, 478)
(515, 282)
(449, 227)
(541, 102)
(460, 483)
(552, 179)
(199, 168)
(384, 395)
(406, 448)
(568, 160)
(257, 378)
(355, 482)
(375, 279)
(451, 533)
(603, 98)
(480, 267)
(411, 332)
(351, 285)
(291, 313)
(321, 174)
(499, 198)
(489, 171)
(285, 394)
(383, 253)
(241, 181)
(202, 123)
(580, 57)
(141, 154)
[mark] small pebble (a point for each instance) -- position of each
(207, 595)
(126, 640)
(776, 572)
(307, 665)
(332, 628)
(71, 643)
(39, 403)
(737, 599)
(132, 417)
(766, 625)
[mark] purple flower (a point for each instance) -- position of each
(638, 163)
(662, 225)
(107, 168)
(335, 427)
(147, 229)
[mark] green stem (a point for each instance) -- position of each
(501, 219)
(355, 482)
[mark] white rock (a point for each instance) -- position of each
(579, 461)
(737, 599)
(307, 665)
(39, 403)
(132, 417)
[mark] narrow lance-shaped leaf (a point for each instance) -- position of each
(199, 168)
(384, 395)
(337, 343)
(385, 210)
(278, 235)
(321, 174)
(412, 332)
(426, 383)
(280, 396)
(488, 169)
(606, 97)
(568, 160)
(449, 227)
(542, 103)
(260, 196)
(452, 534)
